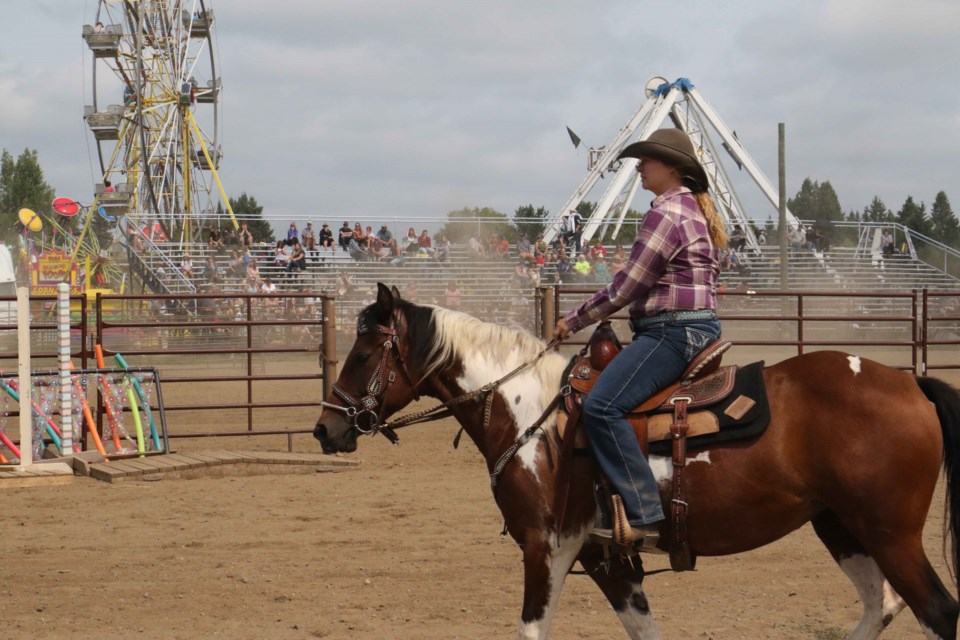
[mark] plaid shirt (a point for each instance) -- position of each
(673, 266)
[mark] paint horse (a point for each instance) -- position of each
(853, 446)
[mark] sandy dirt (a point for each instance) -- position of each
(407, 546)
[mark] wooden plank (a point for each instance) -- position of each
(204, 458)
(139, 464)
(184, 462)
(226, 457)
(108, 472)
(153, 463)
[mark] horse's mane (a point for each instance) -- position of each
(456, 335)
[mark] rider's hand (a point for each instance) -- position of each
(561, 330)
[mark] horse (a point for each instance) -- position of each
(853, 446)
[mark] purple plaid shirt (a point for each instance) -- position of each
(673, 266)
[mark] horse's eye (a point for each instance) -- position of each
(363, 357)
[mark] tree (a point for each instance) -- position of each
(480, 223)
(530, 227)
(944, 225)
(250, 211)
(21, 186)
(817, 202)
(877, 211)
(914, 216)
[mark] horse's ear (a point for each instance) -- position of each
(384, 301)
(396, 293)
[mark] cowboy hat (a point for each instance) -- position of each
(672, 147)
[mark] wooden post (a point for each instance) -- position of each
(784, 275)
(23, 370)
(548, 314)
(328, 358)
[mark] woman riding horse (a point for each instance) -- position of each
(670, 283)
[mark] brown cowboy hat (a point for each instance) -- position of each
(672, 147)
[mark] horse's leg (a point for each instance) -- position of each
(545, 567)
(621, 581)
(880, 602)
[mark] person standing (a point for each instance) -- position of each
(669, 283)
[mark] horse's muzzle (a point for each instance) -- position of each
(334, 434)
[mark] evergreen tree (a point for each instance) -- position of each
(21, 186)
(877, 211)
(914, 216)
(816, 202)
(248, 210)
(531, 229)
(944, 224)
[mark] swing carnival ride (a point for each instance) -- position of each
(687, 110)
(155, 114)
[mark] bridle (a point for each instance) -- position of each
(371, 404)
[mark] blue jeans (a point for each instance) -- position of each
(655, 359)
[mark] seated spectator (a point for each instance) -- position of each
(360, 236)
(210, 272)
(738, 239)
(426, 244)
(326, 237)
(411, 242)
(524, 248)
(475, 248)
(108, 187)
(268, 286)
(214, 243)
(298, 259)
(345, 234)
(540, 244)
(230, 238)
(246, 238)
(618, 252)
(539, 260)
(442, 250)
(452, 297)
(762, 238)
(501, 247)
(599, 270)
(292, 232)
(564, 269)
(521, 275)
(582, 268)
(280, 256)
(887, 244)
(385, 236)
(309, 239)
(236, 267)
(616, 266)
(186, 266)
(358, 254)
(598, 251)
(253, 277)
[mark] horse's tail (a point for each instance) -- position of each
(947, 401)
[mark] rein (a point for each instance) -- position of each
(372, 405)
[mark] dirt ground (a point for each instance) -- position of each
(407, 546)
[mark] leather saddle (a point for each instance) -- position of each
(703, 383)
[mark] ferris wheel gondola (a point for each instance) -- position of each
(155, 112)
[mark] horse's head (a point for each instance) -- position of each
(375, 380)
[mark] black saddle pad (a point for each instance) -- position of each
(749, 382)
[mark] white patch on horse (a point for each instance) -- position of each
(662, 466)
(563, 556)
(638, 622)
(879, 600)
(530, 630)
(854, 364)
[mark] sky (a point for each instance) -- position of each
(352, 109)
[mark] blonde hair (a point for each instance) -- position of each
(715, 226)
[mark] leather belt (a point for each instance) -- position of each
(672, 316)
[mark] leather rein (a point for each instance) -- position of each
(370, 406)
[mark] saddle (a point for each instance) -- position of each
(661, 418)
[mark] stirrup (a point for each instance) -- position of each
(638, 540)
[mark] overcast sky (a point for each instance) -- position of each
(352, 108)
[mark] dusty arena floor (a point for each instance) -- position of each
(407, 546)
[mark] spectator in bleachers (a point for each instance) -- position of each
(210, 273)
(426, 244)
(253, 277)
(326, 237)
(344, 283)
(738, 239)
(524, 248)
(598, 250)
(411, 242)
(582, 268)
(361, 237)
(442, 250)
(298, 259)
(229, 237)
(246, 238)
(388, 241)
(452, 296)
(236, 268)
(268, 286)
(475, 248)
(309, 239)
(358, 254)
(344, 236)
(797, 238)
(599, 270)
(540, 244)
(214, 242)
(618, 252)
(501, 247)
(539, 260)
(186, 266)
(521, 275)
(564, 269)
(887, 246)
(292, 232)
(280, 256)
(616, 266)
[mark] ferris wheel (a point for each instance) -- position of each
(155, 112)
